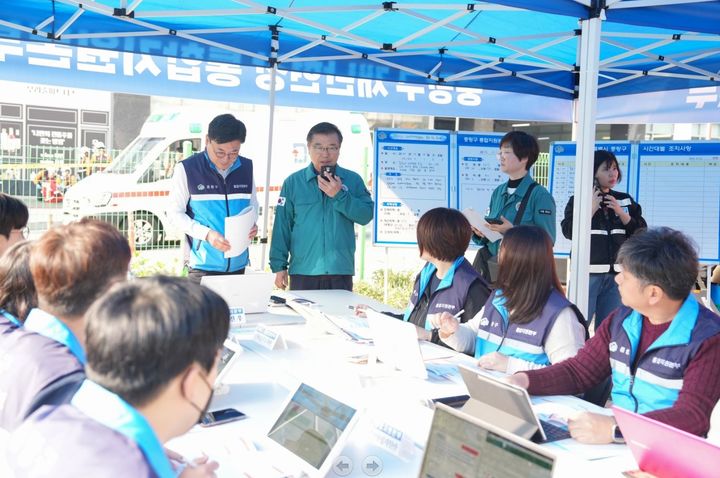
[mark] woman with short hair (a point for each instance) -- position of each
(447, 282)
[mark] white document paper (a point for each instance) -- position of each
(478, 222)
(237, 229)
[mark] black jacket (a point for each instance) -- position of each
(607, 230)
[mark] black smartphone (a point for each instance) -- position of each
(277, 300)
(226, 415)
(327, 170)
(493, 220)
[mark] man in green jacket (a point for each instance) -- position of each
(315, 218)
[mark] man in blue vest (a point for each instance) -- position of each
(71, 266)
(660, 350)
(153, 347)
(208, 187)
(315, 218)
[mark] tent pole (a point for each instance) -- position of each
(266, 200)
(589, 66)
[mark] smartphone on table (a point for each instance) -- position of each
(218, 417)
(493, 220)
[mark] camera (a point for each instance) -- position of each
(603, 196)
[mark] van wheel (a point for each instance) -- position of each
(148, 230)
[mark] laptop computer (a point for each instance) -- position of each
(311, 431)
(462, 446)
(249, 291)
(396, 344)
(507, 407)
(665, 451)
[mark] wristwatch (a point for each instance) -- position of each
(617, 436)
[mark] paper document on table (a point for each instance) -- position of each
(237, 229)
(478, 222)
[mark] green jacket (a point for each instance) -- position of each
(540, 209)
(316, 231)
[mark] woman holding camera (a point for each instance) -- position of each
(527, 323)
(615, 217)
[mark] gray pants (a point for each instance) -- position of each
(324, 282)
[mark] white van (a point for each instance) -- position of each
(137, 182)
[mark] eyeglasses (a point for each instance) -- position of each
(225, 154)
(325, 149)
(24, 232)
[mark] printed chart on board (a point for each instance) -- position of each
(678, 186)
(478, 170)
(412, 176)
(562, 180)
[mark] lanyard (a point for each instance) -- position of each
(51, 327)
(110, 410)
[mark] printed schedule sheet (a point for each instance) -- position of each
(678, 186)
(412, 171)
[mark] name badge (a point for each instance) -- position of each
(269, 339)
(237, 317)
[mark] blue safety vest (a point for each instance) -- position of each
(658, 377)
(13, 320)
(450, 294)
(110, 410)
(212, 199)
(42, 323)
(522, 341)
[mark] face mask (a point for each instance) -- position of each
(207, 404)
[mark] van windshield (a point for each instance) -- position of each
(132, 156)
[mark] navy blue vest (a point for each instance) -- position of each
(212, 199)
(658, 378)
(450, 294)
(522, 341)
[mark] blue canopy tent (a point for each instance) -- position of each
(573, 49)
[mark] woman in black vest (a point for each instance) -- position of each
(615, 217)
(527, 322)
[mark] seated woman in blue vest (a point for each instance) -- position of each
(447, 282)
(527, 323)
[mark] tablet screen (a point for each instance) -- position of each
(311, 425)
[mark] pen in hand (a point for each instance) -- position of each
(457, 316)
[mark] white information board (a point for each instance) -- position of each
(478, 170)
(412, 176)
(562, 179)
(678, 185)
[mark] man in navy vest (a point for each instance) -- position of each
(153, 347)
(71, 266)
(208, 187)
(660, 350)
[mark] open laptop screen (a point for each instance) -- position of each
(311, 424)
(460, 446)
